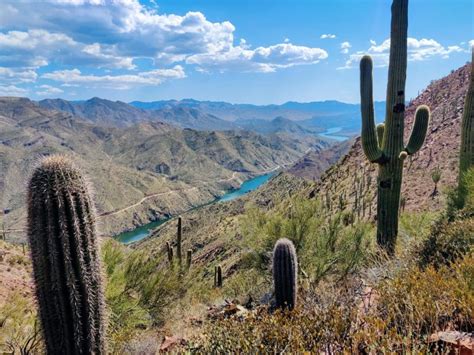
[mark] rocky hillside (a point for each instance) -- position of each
(445, 97)
(314, 164)
(100, 111)
(212, 238)
(139, 172)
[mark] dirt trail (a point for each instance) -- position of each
(111, 213)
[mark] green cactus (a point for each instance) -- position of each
(218, 276)
(285, 274)
(169, 251)
(342, 202)
(189, 258)
(466, 157)
(386, 150)
(66, 266)
(178, 241)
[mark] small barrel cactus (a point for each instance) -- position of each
(66, 269)
(285, 273)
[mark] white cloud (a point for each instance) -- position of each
(17, 75)
(471, 43)
(418, 50)
(328, 36)
(36, 48)
(48, 90)
(12, 90)
(134, 30)
(118, 34)
(261, 59)
(345, 46)
(120, 82)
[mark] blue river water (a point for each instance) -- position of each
(143, 231)
(330, 133)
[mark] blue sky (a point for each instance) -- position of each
(245, 51)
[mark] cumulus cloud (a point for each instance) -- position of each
(328, 36)
(17, 75)
(261, 59)
(37, 48)
(12, 90)
(48, 90)
(100, 32)
(121, 82)
(345, 46)
(418, 50)
(134, 30)
(471, 43)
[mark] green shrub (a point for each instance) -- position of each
(325, 246)
(447, 242)
(406, 309)
(138, 292)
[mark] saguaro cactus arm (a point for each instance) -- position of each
(369, 139)
(420, 127)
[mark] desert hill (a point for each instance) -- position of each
(445, 98)
(213, 230)
(155, 167)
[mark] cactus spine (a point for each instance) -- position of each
(386, 150)
(466, 157)
(285, 273)
(66, 269)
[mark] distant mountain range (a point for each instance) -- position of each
(291, 117)
(311, 117)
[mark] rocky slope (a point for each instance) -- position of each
(445, 97)
(100, 111)
(313, 164)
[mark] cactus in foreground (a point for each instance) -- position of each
(384, 144)
(66, 267)
(285, 273)
(466, 156)
(178, 241)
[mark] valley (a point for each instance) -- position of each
(142, 169)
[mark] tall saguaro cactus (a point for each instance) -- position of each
(384, 145)
(466, 155)
(65, 258)
(285, 273)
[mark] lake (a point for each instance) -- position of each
(330, 133)
(143, 231)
